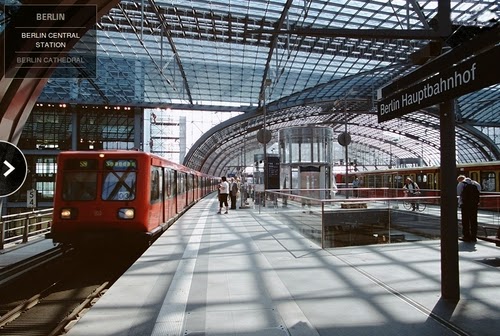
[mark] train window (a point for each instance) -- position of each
(398, 181)
(386, 181)
(181, 183)
(79, 186)
(155, 185)
(174, 175)
(488, 181)
(119, 186)
(168, 182)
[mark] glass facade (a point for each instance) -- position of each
(80, 127)
(52, 128)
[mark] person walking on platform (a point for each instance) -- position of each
(411, 189)
(234, 193)
(469, 195)
(223, 193)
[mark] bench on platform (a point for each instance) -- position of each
(353, 205)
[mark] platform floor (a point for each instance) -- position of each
(245, 273)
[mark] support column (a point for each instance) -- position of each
(450, 277)
(138, 126)
(75, 128)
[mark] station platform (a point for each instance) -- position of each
(245, 273)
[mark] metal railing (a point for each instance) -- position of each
(19, 228)
(368, 216)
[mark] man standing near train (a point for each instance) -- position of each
(468, 191)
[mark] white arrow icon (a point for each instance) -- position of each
(11, 168)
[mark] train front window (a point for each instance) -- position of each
(79, 186)
(79, 180)
(119, 180)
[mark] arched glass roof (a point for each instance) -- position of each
(310, 62)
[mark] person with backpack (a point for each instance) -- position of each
(411, 189)
(469, 196)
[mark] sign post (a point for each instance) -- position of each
(441, 85)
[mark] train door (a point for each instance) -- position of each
(201, 186)
(393, 181)
(430, 181)
(173, 193)
(161, 185)
(192, 185)
(193, 188)
(181, 191)
(421, 180)
(399, 181)
(189, 189)
(167, 190)
(197, 187)
(176, 194)
(155, 197)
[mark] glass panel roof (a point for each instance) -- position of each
(314, 54)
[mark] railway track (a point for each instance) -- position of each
(45, 300)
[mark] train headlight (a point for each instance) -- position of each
(66, 213)
(126, 213)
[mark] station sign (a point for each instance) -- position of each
(472, 74)
(273, 172)
(31, 198)
(51, 36)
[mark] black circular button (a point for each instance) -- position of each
(13, 168)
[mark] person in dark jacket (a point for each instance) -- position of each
(468, 208)
(234, 192)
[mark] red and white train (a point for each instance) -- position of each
(429, 181)
(116, 196)
(486, 173)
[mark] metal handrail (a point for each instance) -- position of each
(20, 227)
